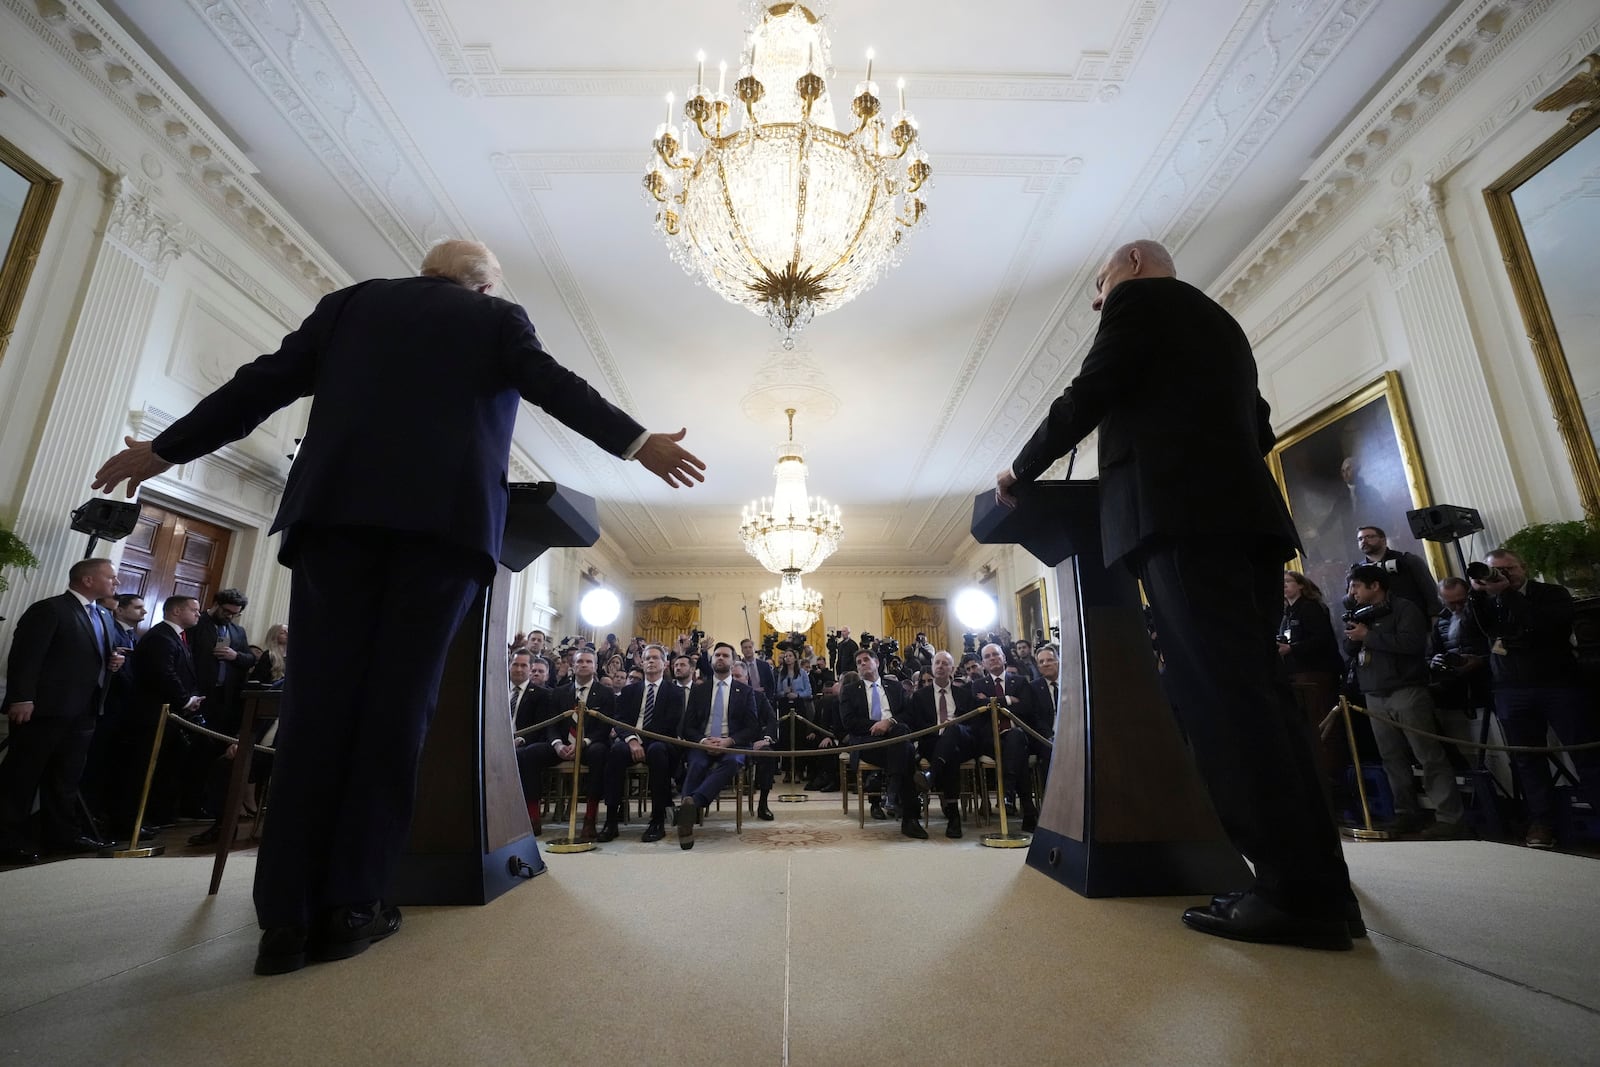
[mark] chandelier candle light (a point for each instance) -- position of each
(790, 532)
(785, 212)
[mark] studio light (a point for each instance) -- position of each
(600, 607)
(975, 608)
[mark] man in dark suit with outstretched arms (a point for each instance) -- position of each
(395, 507)
(1171, 384)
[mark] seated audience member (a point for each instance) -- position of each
(1388, 637)
(975, 738)
(874, 708)
(530, 705)
(561, 742)
(1537, 685)
(763, 766)
(1046, 706)
(721, 712)
(653, 703)
(935, 704)
(1309, 649)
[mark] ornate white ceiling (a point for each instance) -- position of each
(1057, 129)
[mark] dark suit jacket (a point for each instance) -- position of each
(924, 713)
(766, 716)
(384, 359)
(565, 697)
(984, 687)
(744, 723)
(1171, 383)
(855, 708)
(535, 706)
(1044, 708)
(163, 673)
(668, 715)
(767, 676)
(56, 659)
(223, 712)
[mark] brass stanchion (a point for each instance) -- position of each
(133, 851)
(570, 843)
(1005, 838)
(794, 770)
(1359, 833)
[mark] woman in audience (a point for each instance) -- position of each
(274, 658)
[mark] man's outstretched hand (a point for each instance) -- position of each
(1003, 484)
(671, 462)
(137, 463)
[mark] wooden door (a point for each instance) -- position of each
(170, 553)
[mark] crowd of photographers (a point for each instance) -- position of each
(855, 690)
(1434, 659)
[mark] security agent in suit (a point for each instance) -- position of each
(56, 677)
(934, 705)
(1171, 384)
(764, 766)
(111, 751)
(975, 738)
(376, 514)
(222, 663)
(758, 669)
(560, 742)
(655, 704)
(720, 712)
(873, 708)
(164, 676)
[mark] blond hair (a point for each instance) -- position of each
(468, 263)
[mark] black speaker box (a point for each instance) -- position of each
(1444, 522)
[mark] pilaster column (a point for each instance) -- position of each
(89, 409)
(1447, 383)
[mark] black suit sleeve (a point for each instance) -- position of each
(1113, 366)
(30, 644)
(541, 380)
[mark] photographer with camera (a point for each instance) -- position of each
(1310, 654)
(1460, 661)
(919, 657)
(1536, 682)
(1409, 577)
(1388, 638)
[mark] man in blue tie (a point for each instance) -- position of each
(721, 712)
(875, 708)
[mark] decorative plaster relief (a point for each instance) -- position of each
(208, 348)
(152, 239)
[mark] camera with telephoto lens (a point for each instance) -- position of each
(1367, 615)
(767, 644)
(1482, 572)
(793, 641)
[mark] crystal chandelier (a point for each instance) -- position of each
(791, 607)
(787, 214)
(789, 531)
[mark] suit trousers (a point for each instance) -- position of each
(896, 763)
(709, 775)
(657, 758)
(373, 613)
(1215, 621)
(535, 759)
(1412, 707)
(46, 757)
(1528, 715)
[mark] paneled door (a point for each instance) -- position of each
(170, 553)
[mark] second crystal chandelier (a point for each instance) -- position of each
(789, 214)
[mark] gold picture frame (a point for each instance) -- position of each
(1033, 611)
(1354, 463)
(26, 237)
(1522, 265)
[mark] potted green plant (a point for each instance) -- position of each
(1562, 552)
(13, 553)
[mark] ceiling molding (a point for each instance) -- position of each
(201, 157)
(473, 70)
(1344, 174)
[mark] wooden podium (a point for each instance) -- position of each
(1124, 812)
(470, 837)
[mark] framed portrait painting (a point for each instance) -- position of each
(1353, 464)
(1033, 612)
(27, 196)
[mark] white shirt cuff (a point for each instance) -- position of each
(638, 443)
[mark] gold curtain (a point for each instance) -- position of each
(903, 619)
(660, 621)
(816, 637)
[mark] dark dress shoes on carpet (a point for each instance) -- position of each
(1353, 922)
(764, 813)
(912, 828)
(952, 829)
(349, 930)
(878, 812)
(282, 949)
(685, 821)
(80, 844)
(1248, 917)
(17, 857)
(654, 832)
(205, 837)
(608, 832)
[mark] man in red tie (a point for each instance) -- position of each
(938, 704)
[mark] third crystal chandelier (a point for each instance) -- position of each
(787, 214)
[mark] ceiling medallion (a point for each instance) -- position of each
(786, 213)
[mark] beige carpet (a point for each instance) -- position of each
(808, 941)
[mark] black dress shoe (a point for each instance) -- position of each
(207, 836)
(685, 821)
(1250, 918)
(608, 832)
(1353, 922)
(17, 857)
(764, 813)
(350, 929)
(282, 949)
(1030, 821)
(877, 811)
(912, 828)
(654, 832)
(82, 843)
(952, 829)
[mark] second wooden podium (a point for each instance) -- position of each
(1124, 811)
